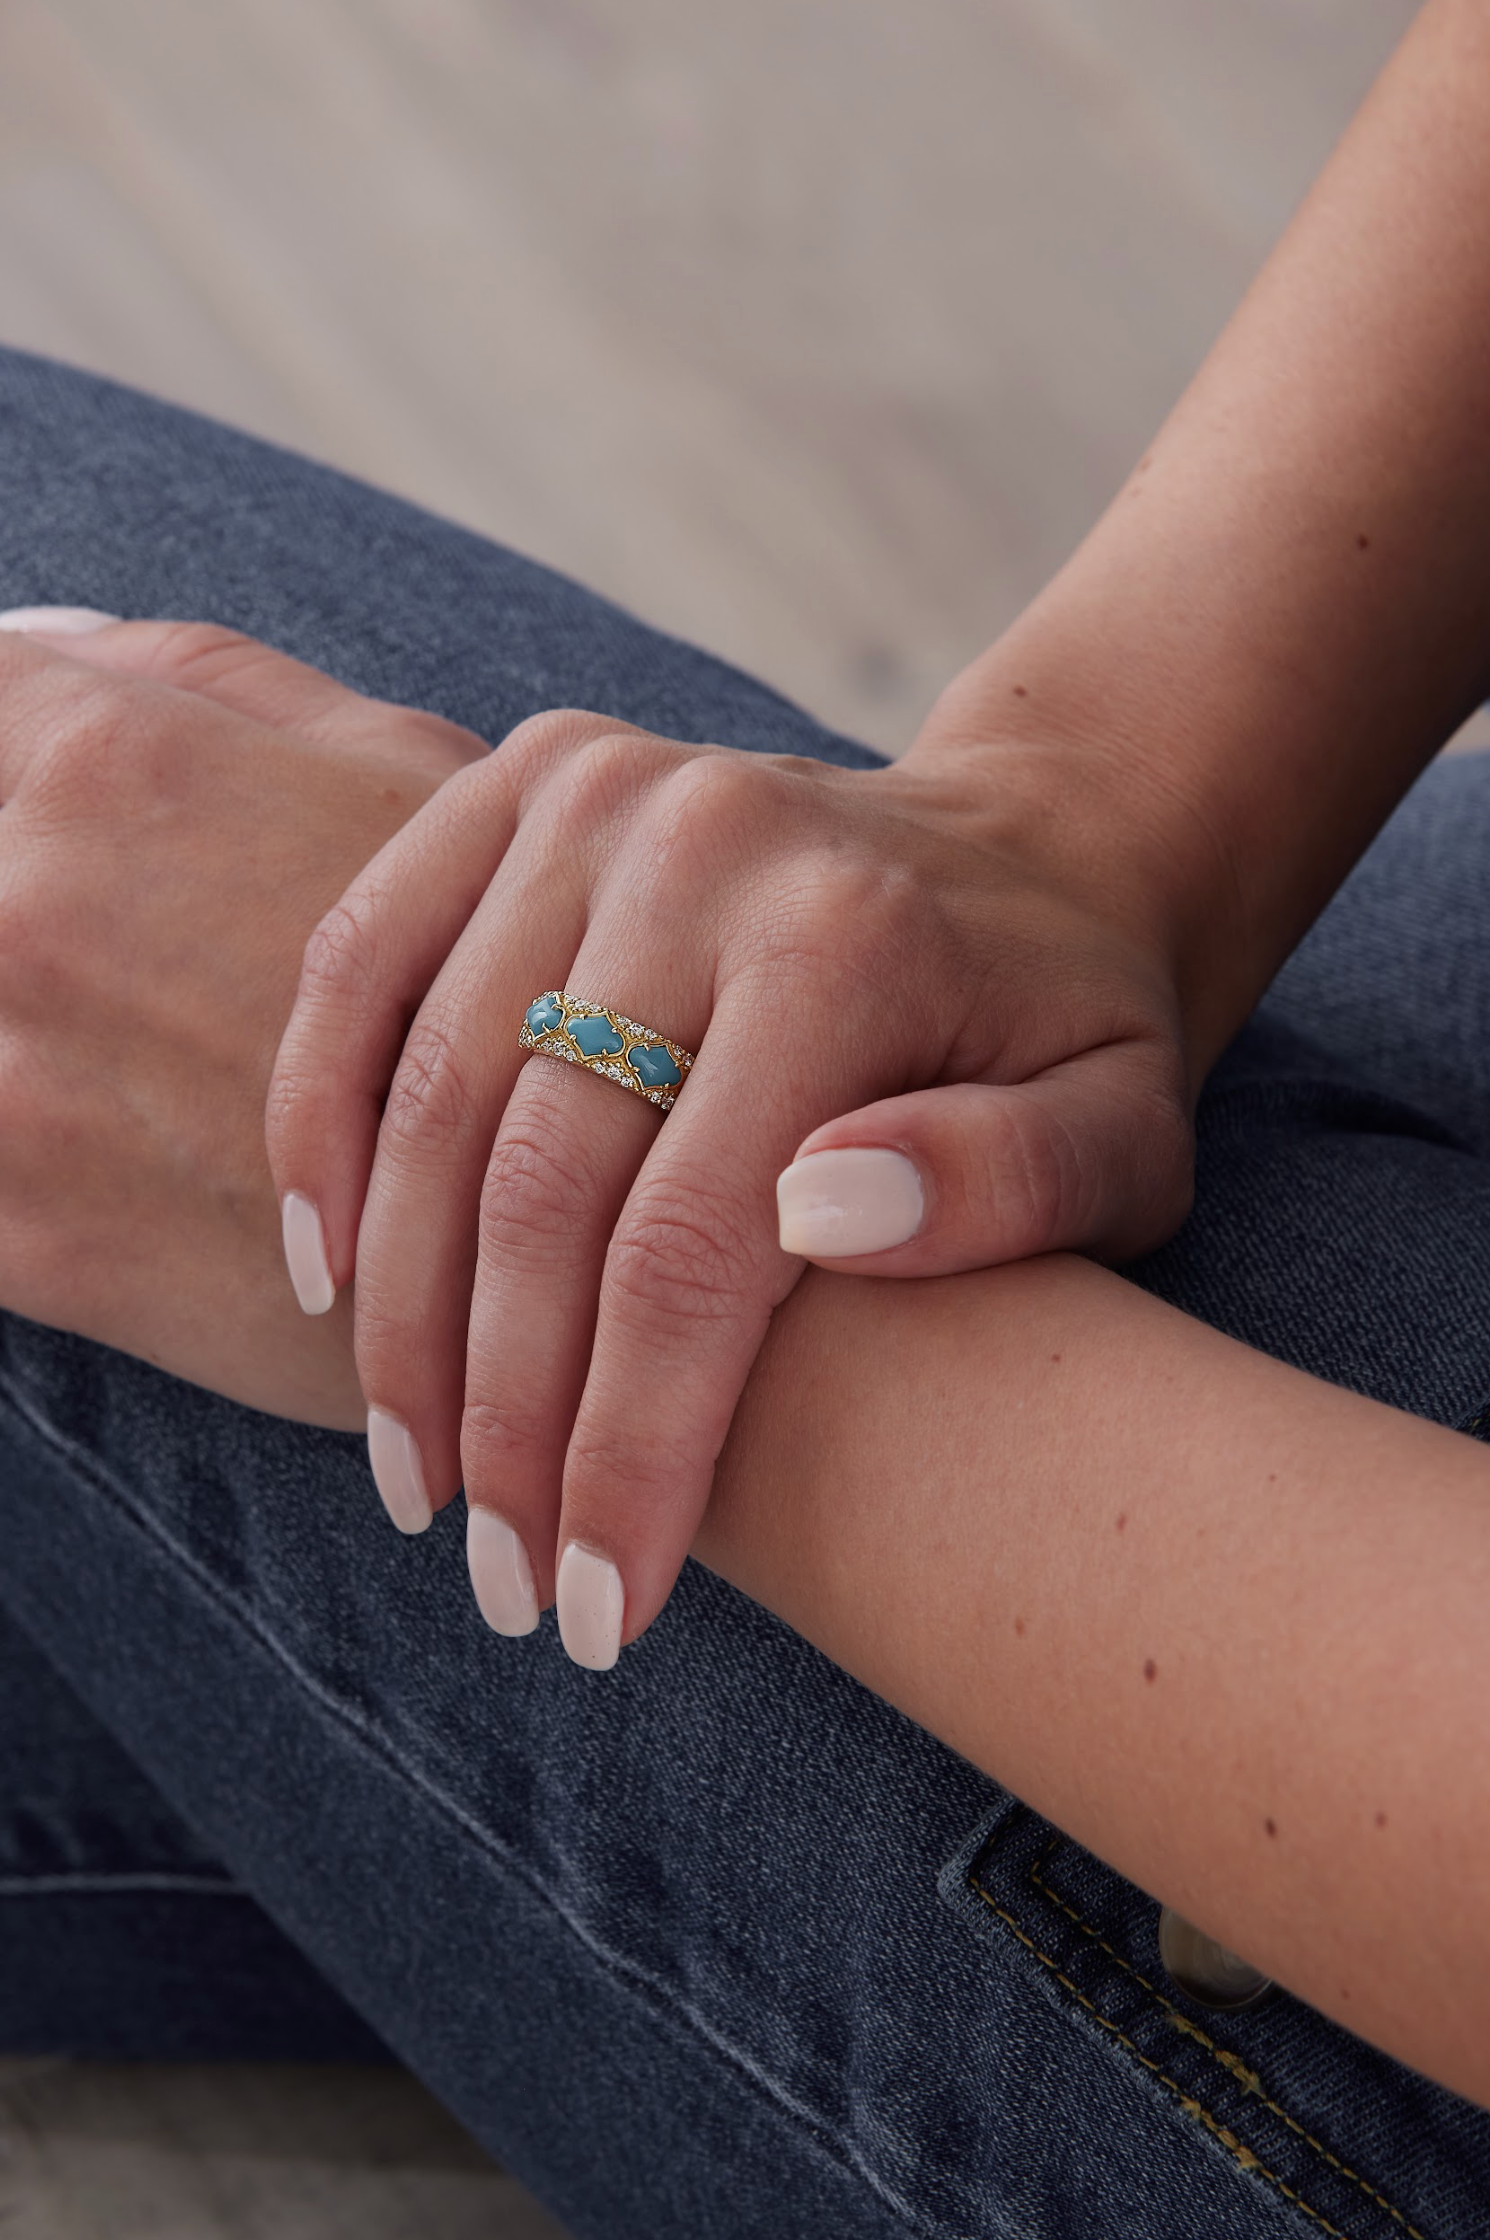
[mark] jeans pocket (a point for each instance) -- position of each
(1359, 2147)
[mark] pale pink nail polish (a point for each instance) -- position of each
(59, 622)
(833, 1205)
(397, 1471)
(305, 1254)
(592, 1605)
(501, 1575)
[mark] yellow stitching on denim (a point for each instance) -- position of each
(1229, 2061)
(1243, 2155)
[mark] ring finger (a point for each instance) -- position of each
(565, 1157)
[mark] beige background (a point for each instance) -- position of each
(814, 329)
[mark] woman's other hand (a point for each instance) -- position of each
(936, 1027)
(180, 806)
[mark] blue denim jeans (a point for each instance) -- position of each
(716, 1943)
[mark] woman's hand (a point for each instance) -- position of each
(946, 1009)
(170, 834)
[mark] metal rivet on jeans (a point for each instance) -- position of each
(1205, 1971)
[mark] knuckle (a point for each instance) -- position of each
(289, 1113)
(602, 777)
(531, 1199)
(625, 1472)
(95, 749)
(393, 1367)
(495, 1431)
(711, 803)
(673, 1264)
(1035, 1177)
(541, 743)
(197, 654)
(431, 1098)
(341, 955)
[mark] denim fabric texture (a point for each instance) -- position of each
(715, 1943)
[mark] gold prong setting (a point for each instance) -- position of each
(638, 1058)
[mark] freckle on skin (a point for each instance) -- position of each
(1019, 1625)
(1361, 543)
(1271, 1826)
(1021, 692)
(1150, 1670)
(1122, 1520)
(1055, 1357)
(1381, 1819)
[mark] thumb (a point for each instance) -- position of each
(1094, 1156)
(235, 671)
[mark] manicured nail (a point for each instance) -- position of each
(305, 1254)
(833, 1205)
(501, 1575)
(592, 1603)
(397, 1471)
(59, 622)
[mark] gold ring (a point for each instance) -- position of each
(605, 1041)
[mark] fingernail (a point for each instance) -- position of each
(592, 1603)
(835, 1204)
(501, 1575)
(305, 1254)
(397, 1471)
(61, 622)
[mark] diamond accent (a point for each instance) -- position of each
(552, 1041)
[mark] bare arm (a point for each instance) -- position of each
(1287, 609)
(1225, 1624)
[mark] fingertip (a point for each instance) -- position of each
(841, 1203)
(591, 1600)
(501, 1575)
(398, 1472)
(306, 1256)
(56, 622)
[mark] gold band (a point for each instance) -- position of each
(604, 1041)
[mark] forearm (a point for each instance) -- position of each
(1223, 1623)
(1287, 609)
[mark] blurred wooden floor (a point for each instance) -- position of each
(102, 2151)
(817, 330)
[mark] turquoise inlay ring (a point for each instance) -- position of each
(605, 1041)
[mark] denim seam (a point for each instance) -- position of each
(88, 1467)
(1237, 2069)
(107, 1885)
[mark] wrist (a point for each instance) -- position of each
(1018, 738)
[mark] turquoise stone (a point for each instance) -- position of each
(654, 1069)
(596, 1038)
(544, 1015)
